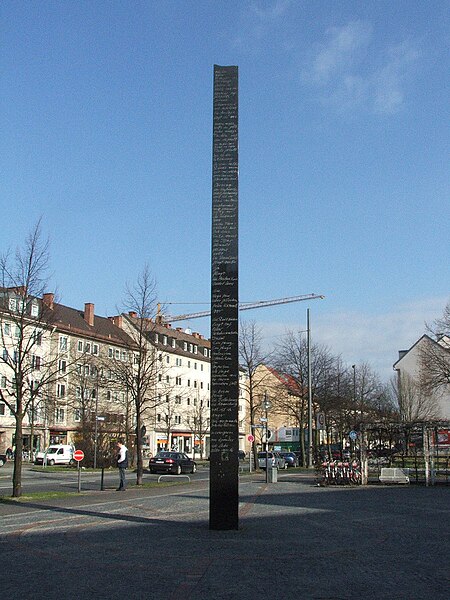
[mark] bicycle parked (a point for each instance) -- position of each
(339, 473)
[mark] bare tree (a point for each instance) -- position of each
(414, 404)
(26, 325)
(251, 358)
(435, 355)
(137, 371)
(292, 359)
(198, 416)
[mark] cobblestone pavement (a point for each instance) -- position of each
(295, 541)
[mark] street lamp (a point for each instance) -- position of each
(267, 405)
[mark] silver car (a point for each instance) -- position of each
(274, 459)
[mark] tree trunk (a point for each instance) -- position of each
(17, 472)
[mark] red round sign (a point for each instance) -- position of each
(250, 438)
(78, 455)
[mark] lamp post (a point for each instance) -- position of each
(352, 443)
(267, 405)
(310, 439)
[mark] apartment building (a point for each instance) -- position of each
(178, 415)
(77, 374)
(61, 356)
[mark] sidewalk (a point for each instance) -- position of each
(295, 541)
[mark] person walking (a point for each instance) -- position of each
(122, 463)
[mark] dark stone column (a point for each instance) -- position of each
(224, 432)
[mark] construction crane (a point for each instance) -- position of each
(242, 306)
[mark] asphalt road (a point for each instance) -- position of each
(295, 541)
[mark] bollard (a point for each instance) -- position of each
(102, 480)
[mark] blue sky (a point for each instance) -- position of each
(106, 121)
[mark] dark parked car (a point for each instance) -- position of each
(3, 459)
(290, 458)
(172, 462)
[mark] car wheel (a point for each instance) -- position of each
(194, 469)
(285, 465)
(152, 471)
(51, 462)
(178, 470)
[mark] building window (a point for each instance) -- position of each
(63, 343)
(36, 362)
(2, 409)
(156, 338)
(158, 418)
(95, 349)
(77, 415)
(80, 346)
(59, 415)
(168, 359)
(177, 399)
(110, 353)
(195, 348)
(3, 382)
(178, 380)
(62, 366)
(61, 390)
(7, 328)
(177, 419)
(164, 340)
(185, 346)
(174, 343)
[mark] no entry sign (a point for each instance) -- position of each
(78, 455)
(250, 438)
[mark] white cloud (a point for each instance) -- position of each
(341, 51)
(363, 337)
(259, 21)
(351, 72)
(388, 81)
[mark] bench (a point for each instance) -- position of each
(393, 475)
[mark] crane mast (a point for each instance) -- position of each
(244, 306)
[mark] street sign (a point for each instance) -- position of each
(263, 420)
(257, 426)
(251, 438)
(353, 435)
(320, 421)
(78, 455)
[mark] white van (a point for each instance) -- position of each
(57, 454)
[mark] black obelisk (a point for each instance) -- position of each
(224, 431)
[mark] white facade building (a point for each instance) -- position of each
(409, 363)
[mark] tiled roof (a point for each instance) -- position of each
(72, 321)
